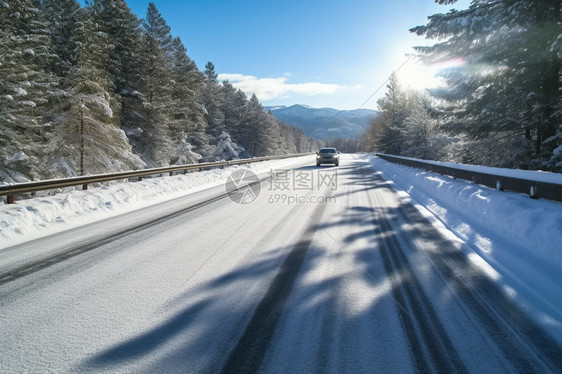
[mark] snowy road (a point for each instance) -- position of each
(329, 270)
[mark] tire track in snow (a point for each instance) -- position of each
(247, 355)
(430, 345)
(27, 269)
(31, 268)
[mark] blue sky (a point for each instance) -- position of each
(322, 53)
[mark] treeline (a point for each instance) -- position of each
(502, 103)
(94, 89)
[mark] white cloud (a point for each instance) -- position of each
(276, 88)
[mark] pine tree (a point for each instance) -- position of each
(287, 138)
(509, 86)
(155, 86)
(226, 149)
(187, 110)
(25, 88)
(258, 130)
(304, 143)
(63, 17)
(210, 72)
(122, 28)
(157, 28)
(233, 104)
(211, 98)
(390, 124)
(422, 138)
(87, 137)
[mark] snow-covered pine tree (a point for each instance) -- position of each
(232, 105)
(187, 113)
(287, 138)
(508, 88)
(63, 17)
(276, 143)
(388, 128)
(284, 143)
(418, 129)
(122, 27)
(26, 85)
(226, 149)
(258, 130)
(422, 138)
(211, 100)
(156, 26)
(87, 137)
(156, 89)
(210, 72)
(304, 143)
(185, 153)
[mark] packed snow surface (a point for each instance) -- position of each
(33, 218)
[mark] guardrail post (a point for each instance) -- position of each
(533, 193)
(84, 187)
(10, 199)
(499, 186)
(139, 179)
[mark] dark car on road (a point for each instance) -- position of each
(327, 156)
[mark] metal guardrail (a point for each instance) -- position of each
(534, 189)
(13, 189)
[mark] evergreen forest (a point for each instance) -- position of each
(501, 101)
(94, 89)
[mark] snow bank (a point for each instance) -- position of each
(518, 236)
(34, 218)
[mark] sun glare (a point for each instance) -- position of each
(419, 76)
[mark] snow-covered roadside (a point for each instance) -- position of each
(37, 217)
(518, 237)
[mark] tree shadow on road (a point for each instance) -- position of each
(409, 300)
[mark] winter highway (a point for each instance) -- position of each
(319, 270)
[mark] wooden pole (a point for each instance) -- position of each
(81, 140)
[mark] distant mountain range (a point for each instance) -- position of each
(325, 123)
